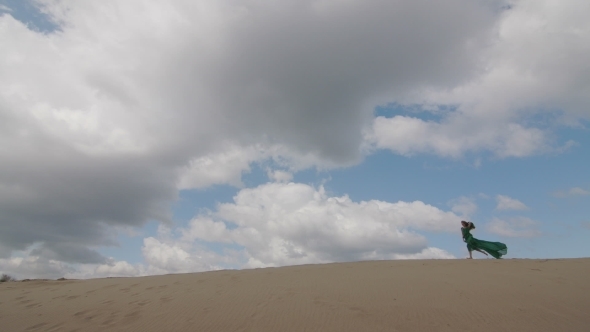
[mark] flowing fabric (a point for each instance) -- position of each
(496, 249)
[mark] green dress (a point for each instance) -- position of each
(496, 249)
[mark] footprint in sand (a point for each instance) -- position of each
(34, 327)
(165, 299)
(80, 313)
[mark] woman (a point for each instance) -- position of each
(496, 249)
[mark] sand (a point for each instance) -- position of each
(420, 295)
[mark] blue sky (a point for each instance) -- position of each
(29, 13)
(187, 138)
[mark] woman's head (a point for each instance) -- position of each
(467, 224)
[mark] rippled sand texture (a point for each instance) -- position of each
(421, 295)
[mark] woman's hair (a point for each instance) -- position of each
(470, 225)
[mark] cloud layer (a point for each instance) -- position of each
(509, 203)
(274, 224)
(514, 227)
(572, 192)
(103, 119)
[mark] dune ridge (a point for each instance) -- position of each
(417, 295)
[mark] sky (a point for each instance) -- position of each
(153, 137)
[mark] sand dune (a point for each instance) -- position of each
(420, 295)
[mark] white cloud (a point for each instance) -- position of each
(534, 64)
(465, 206)
(220, 168)
(514, 227)
(113, 269)
(279, 176)
(483, 196)
(29, 266)
(428, 253)
(230, 162)
(407, 136)
(4, 8)
(176, 257)
(508, 203)
(293, 223)
(576, 191)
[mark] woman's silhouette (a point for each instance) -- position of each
(496, 249)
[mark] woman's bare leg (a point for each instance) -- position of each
(470, 256)
(483, 252)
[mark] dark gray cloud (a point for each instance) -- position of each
(308, 75)
(65, 200)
